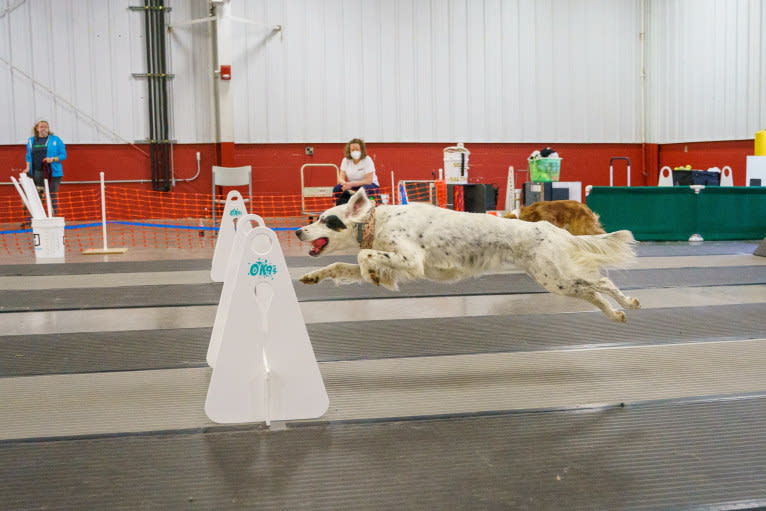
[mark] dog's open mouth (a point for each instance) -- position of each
(317, 246)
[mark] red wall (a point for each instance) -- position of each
(703, 155)
(276, 167)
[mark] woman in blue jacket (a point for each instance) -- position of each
(45, 152)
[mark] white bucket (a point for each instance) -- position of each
(49, 237)
(456, 164)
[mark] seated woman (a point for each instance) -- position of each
(356, 170)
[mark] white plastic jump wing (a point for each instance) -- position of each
(234, 208)
(265, 369)
(243, 226)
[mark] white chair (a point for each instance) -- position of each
(317, 191)
(727, 176)
(666, 177)
(231, 176)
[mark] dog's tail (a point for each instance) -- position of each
(616, 249)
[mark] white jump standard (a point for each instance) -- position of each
(264, 368)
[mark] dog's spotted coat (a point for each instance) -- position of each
(419, 241)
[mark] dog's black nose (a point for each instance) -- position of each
(298, 233)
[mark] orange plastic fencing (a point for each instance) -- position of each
(143, 218)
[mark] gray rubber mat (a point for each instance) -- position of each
(29, 270)
(209, 294)
(110, 297)
(520, 283)
(665, 455)
(12, 270)
(683, 248)
(645, 249)
(534, 332)
(71, 353)
(25, 355)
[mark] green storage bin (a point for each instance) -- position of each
(542, 170)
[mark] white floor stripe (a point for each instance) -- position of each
(129, 402)
(539, 303)
(158, 318)
(203, 276)
(100, 320)
(99, 280)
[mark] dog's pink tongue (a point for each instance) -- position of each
(317, 246)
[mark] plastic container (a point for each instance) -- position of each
(696, 177)
(456, 164)
(543, 170)
(760, 143)
(49, 237)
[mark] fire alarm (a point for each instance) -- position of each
(225, 72)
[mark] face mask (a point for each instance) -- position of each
(356, 154)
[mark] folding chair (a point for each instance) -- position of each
(231, 176)
(316, 191)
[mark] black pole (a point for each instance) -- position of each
(157, 36)
(157, 171)
(157, 95)
(149, 95)
(164, 116)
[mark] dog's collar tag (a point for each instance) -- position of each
(365, 231)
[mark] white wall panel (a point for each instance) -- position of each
(253, 111)
(400, 70)
(397, 70)
(441, 75)
(440, 70)
(16, 51)
(296, 71)
(706, 74)
(511, 76)
(457, 69)
(352, 60)
(331, 60)
(67, 61)
(493, 69)
(81, 57)
(190, 60)
(256, 71)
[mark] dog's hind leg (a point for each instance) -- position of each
(591, 295)
(604, 285)
(339, 272)
(590, 291)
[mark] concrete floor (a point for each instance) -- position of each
(432, 400)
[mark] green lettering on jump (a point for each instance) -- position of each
(262, 268)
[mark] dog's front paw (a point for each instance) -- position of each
(633, 303)
(312, 277)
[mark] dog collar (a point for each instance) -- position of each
(365, 231)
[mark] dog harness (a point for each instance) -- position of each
(365, 231)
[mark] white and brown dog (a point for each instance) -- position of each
(420, 241)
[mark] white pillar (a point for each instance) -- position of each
(224, 58)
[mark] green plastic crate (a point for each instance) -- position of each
(544, 169)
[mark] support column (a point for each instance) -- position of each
(224, 96)
(651, 157)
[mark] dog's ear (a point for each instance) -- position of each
(358, 206)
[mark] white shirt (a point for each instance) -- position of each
(358, 171)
